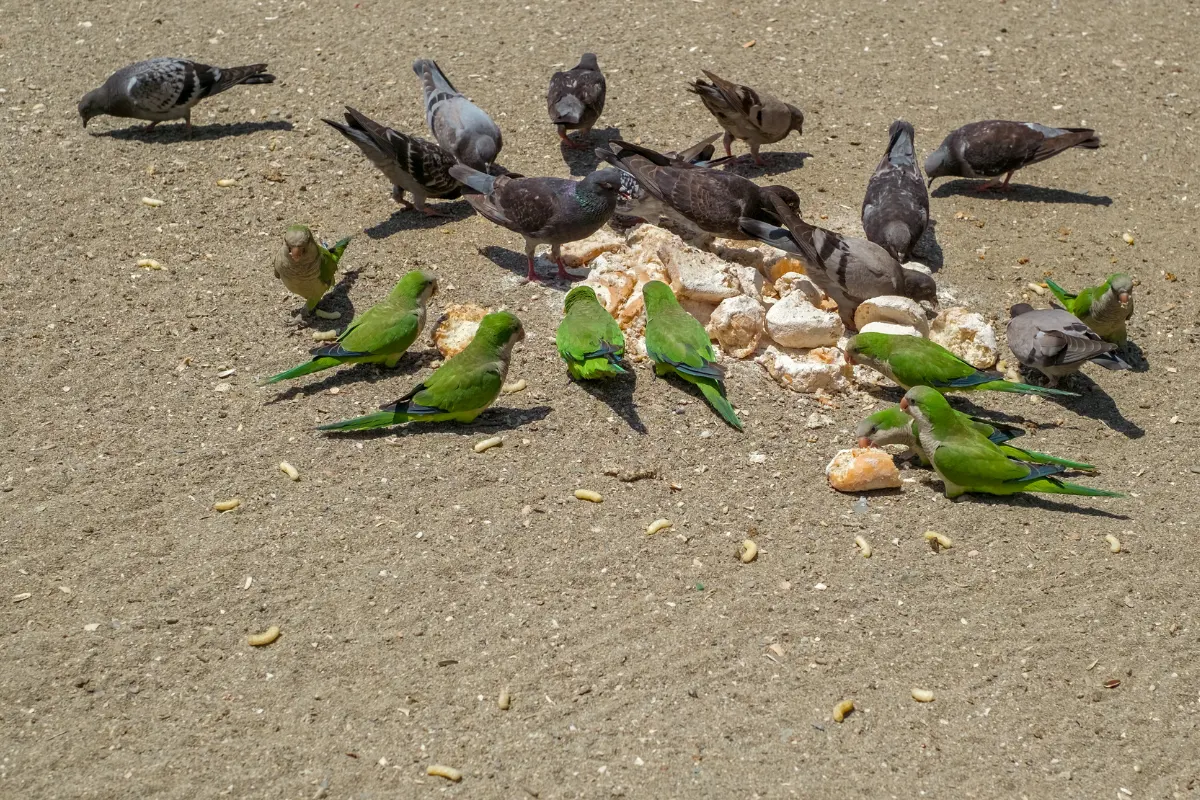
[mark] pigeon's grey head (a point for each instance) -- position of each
(93, 104)
(938, 163)
(604, 181)
(480, 153)
(1019, 309)
(588, 61)
(920, 286)
(1122, 286)
(797, 119)
(299, 242)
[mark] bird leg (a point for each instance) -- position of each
(531, 276)
(994, 186)
(150, 127)
(429, 211)
(568, 142)
(728, 141)
(556, 254)
(757, 158)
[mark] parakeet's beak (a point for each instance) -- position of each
(904, 404)
(864, 442)
(1123, 297)
(295, 253)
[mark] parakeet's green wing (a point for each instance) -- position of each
(679, 340)
(458, 386)
(588, 331)
(379, 331)
(973, 462)
(936, 368)
(329, 260)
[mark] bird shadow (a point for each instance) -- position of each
(336, 299)
(1031, 499)
(694, 391)
(357, 373)
(403, 219)
(1095, 404)
(617, 394)
(1135, 356)
(517, 264)
(928, 251)
(173, 134)
(1021, 193)
(778, 163)
(492, 420)
(583, 161)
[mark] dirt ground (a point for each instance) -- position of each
(414, 579)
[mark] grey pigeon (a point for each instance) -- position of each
(994, 147)
(1056, 343)
(550, 211)
(634, 201)
(459, 125)
(164, 88)
(895, 210)
(848, 269)
(704, 202)
(754, 117)
(575, 99)
(412, 164)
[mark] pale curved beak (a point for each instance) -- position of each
(1123, 297)
(864, 442)
(904, 404)
(295, 253)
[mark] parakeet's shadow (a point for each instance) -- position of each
(928, 251)
(410, 363)
(170, 133)
(694, 392)
(411, 220)
(1045, 502)
(777, 164)
(1095, 404)
(582, 161)
(516, 263)
(493, 420)
(1020, 193)
(617, 394)
(336, 299)
(1135, 356)
(963, 403)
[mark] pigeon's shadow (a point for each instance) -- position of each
(1134, 356)
(583, 161)
(928, 251)
(403, 219)
(173, 134)
(517, 264)
(1095, 404)
(336, 299)
(617, 394)
(491, 421)
(1021, 193)
(777, 164)
(1042, 501)
(355, 373)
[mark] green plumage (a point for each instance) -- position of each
(1100, 307)
(588, 338)
(459, 390)
(381, 335)
(893, 426)
(913, 361)
(678, 343)
(967, 461)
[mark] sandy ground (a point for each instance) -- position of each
(414, 580)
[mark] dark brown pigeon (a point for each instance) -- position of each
(633, 200)
(1056, 343)
(754, 117)
(848, 269)
(701, 201)
(576, 98)
(409, 162)
(895, 210)
(550, 211)
(995, 147)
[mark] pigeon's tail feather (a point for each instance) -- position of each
(232, 76)
(1085, 137)
(1111, 360)
(568, 111)
(473, 178)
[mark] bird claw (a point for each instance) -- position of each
(429, 212)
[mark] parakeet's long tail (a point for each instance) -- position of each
(339, 248)
(1054, 486)
(381, 419)
(1024, 388)
(307, 368)
(712, 393)
(1044, 458)
(1060, 293)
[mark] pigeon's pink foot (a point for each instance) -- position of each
(531, 276)
(563, 275)
(429, 211)
(150, 127)
(571, 143)
(759, 160)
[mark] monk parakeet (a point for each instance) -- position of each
(1103, 308)
(381, 335)
(893, 426)
(588, 338)
(306, 267)
(460, 389)
(912, 361)
(677, 343)
(967, 461)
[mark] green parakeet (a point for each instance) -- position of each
(1103, 308)
(588, 338)
(306, 267)
(967, 461)
(893, 426)
(379, 336)
(678, 343)
(912, 361)
(460, 389)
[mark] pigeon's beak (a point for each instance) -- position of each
(930, 184)
(904, 404)
(295, 253)
(864, 442)
(85, 121)
(1123, 297)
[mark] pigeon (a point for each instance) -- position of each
(459, 125)
(634, 200)
(409, 162)
(576, 98)
(550, 211)
(745, 114)
(1056, 343)
(895, 210)
(994, 147)
(704, 202)
(848, 269)
(164, 88)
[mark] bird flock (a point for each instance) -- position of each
(690, 192)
